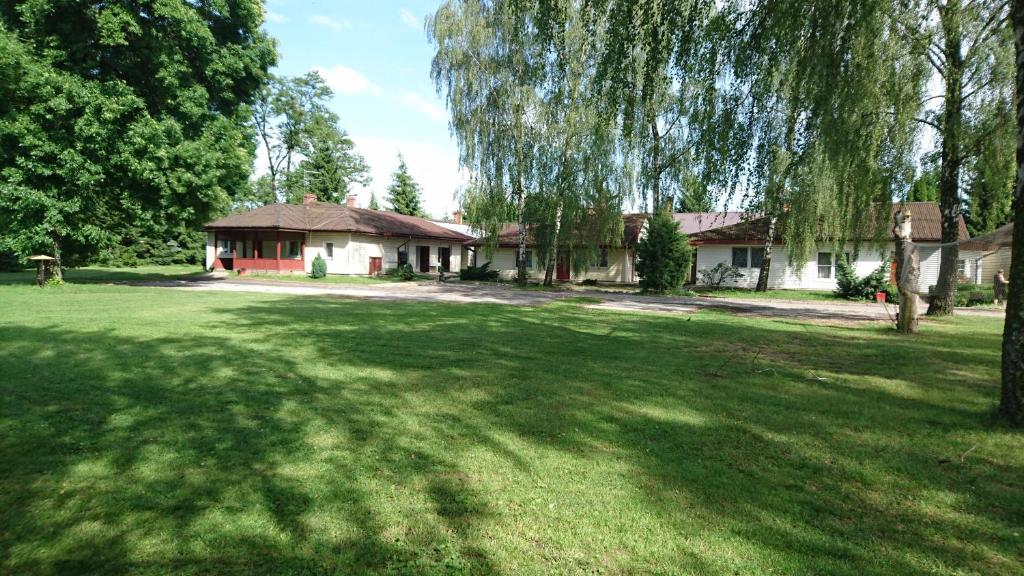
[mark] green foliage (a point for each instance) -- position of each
(319, 267)
(373, 202)
(663, 255)
(404, 272)
(849, 286)
(307, 152)
(971, 294)
(481, 273)
(404, 192)
(121, 113)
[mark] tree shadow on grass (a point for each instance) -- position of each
(278, 445)
(161, 455)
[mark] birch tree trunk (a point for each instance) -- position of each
(521, 249)
(1011, 404)
(549, 272)
(655, 167)
(908, 269)
(766, 262)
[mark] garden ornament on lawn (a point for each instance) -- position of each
(908, 272)
(43, 264)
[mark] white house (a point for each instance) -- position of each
(287, 237)
(614, 264)
(742, 245)
(995, 253)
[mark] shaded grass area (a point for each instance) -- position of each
(105, 275)
(150, 431)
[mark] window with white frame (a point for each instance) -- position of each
(824, 264)
(329, 250)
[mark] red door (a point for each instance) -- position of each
(562, 271)
(375, 265)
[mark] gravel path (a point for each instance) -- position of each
(492, 294)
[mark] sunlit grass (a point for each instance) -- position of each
(154, 431)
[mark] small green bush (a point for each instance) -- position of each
(720, 274)
(849, 286)
(319, 269)
(590, 282)
(481, 273)
(403, 272)
(971, 294)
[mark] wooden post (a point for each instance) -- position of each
(277, 263)
(908, 272)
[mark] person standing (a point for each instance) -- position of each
(999, 284)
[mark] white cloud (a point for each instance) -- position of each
(345, 80)
(275, 17)
(328, 22)
(411, 20)
(421, 104)
(434, 167)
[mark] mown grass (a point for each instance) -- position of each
(307, 279)
(154, 431)
(107, 275)
(777, 294)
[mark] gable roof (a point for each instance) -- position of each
(994, 240)
(632, 226)
(330, 217)
(927, 227)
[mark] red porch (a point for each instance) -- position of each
(255, 250)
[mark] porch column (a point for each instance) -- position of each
(255, 245)
(278, 257)
(216, 249)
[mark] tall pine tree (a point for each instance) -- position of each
(404, 192)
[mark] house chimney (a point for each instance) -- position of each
(350, 201)
(308, 198)
(457, 216)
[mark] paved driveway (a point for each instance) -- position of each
(498, 294)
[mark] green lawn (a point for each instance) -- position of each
(152, 431)
(329, 279)
(103, 275)
(779, 294)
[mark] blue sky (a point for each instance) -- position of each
(376, 57)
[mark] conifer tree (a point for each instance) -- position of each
(373, 202)
(663, 255)
(404, 192)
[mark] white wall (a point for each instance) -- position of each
(619, 269)
(211, 250)
(352, 252)
(782, 275)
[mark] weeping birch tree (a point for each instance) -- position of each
(488, 66)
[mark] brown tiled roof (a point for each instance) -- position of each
(330, 217)
(927, 227)
(994, 240)
(632, 224)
